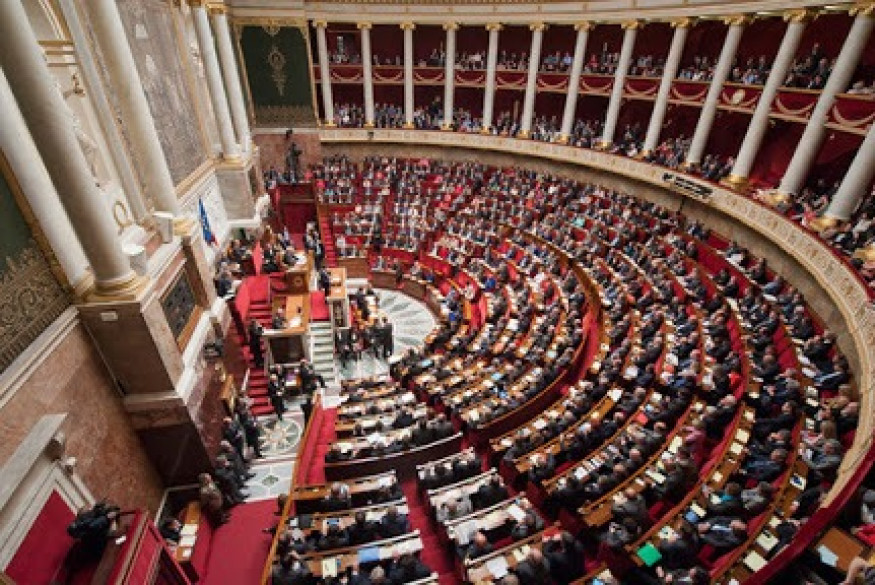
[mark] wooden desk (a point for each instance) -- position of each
(338, 301)
(309, 499)
(356, 266)
(404, 462)
(190, 518)
(297, 277)
(290, 344)
(343, 558)
(845, 546)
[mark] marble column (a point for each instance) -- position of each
(51, 124)
(857, 181)
(672, 62)
(231, 75)
(721, 72)
(759, 122)
(408, 28)
(230, 148)
(491, 65)
(574, 81)
(839, 80)
(36, 185)
(613, 114)
(122, 69)
(367, 72)
(532, 80)
(449, 74)
(324, 73)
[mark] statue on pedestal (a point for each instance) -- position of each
(293, 159)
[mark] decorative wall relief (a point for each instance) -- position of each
(30, 295)
(278, 71)
(159, 57)
(179, 305)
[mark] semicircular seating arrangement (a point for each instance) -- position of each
(611, 385)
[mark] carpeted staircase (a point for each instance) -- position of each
(327, 239)
(260, 310)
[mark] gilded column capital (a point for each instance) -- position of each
(585, 25)
(217, 8)
(196, 3)
(320, 24)
(537, 27)
(451, 26)
(364, 25)
(737, 19)
(633, 24)
(685, 22)
(494, 26)
(800, 15)
(407, 26)
(864, 8)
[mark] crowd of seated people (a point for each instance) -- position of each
(670, 374)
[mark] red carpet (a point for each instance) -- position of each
(434, 554)
(239, 548)
(318, 306)
(323, 436)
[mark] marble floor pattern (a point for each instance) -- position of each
(411, 323)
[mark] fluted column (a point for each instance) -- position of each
(613, 114)
(324, 73)
(449, 74)
(367, 72)
(408, 28)
(574, 80)
(231, 75)
(230, 148)
(532, 80)
(672, 62)
(51, 124)
(856, 182)
(134, 108)
(759, 122)
(812, 139)
(491, 64)
(721, 72)
(36, 185)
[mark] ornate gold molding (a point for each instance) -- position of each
(586, 26)
(866, 8)
(537, 27)
(320, 24)
(407, 26)
(494, 26)
(451, 26)
(685, 22)
(737, 19)
(196, 3)
(800, 15)
(632, 24)
(217, 8)
(364, 25)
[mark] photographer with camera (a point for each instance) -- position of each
(91, 529)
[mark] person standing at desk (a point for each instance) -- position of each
(384, 335)
(279, 319)
(275, 393)
(255, 331)
(325, 281)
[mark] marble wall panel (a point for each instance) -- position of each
(110, 458)
(273, 147)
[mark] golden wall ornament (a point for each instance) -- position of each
(30, 299)
(271, 28)
(277, 62)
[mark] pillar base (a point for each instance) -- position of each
(603, 144)
(524, 134)
(689, 166)
(643, 154)
(329, 124)
(866, 254)
(485, 130)
(563, 139)
(736, 182)
(127, 290)
(824, 222)
(408, 126)
(447, 127)
(369, 125)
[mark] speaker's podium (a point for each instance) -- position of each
(291, 343)
(297, 277)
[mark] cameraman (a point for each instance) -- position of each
(92, 528)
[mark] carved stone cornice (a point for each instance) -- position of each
(217, 8)
(537, 27)
(633, 24)
(320, 24)
(866, 8)
(364, 25)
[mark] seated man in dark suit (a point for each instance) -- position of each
(362, 530)
(421, 434)
(724, 533)
(534, 570)
(490, 493)
(394, 523)
(767, 468)
(565, 556)
(479, 546)
(407, 569)
(335, 537)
